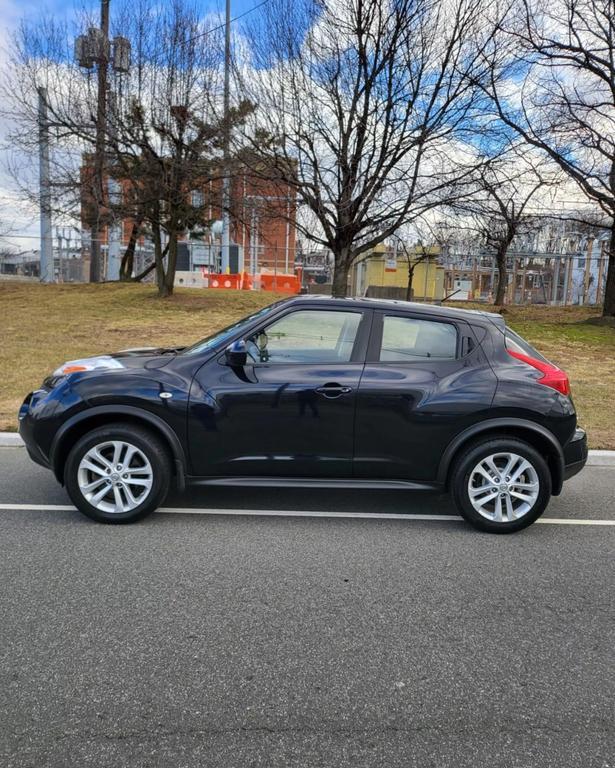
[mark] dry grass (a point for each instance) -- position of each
(46, 325)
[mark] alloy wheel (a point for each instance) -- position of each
(503, 487)
(115, 476)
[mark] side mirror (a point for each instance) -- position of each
(236, 354)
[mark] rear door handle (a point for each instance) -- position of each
(333, 390)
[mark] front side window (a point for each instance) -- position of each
(405, 339)
(307, 336)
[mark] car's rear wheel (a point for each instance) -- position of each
(117, 473)
(501, 485)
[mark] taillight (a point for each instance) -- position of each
(552, 376)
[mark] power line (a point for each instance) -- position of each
(218, 27)
(157, 58)
(235, 18)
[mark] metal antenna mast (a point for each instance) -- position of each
(226, 181)
(94, 49)
(99, 152)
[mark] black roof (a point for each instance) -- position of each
(409, 306)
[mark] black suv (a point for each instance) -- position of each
(314, 391)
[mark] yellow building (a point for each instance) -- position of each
(383, 273)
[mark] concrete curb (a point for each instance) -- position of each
(10, 440)
(595, 459)
(601, 458)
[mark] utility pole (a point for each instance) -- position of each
(114, 236)
(114, 227)
(226, 181)
(45, 189)
(60, 236)
(99, 151)
(555, 280)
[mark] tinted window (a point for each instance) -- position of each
(405, 339)
(308, 336)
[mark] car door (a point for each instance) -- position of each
(426, 378)
(289, 412)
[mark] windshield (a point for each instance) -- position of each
(217, 339)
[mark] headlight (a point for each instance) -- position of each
(87, 364)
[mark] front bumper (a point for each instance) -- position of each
(575, 454)
(26, 430)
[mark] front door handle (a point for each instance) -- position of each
(333, 390)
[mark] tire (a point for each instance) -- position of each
(528, 494)
(129, 493)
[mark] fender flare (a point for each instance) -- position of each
(489, 425)
(179, 457)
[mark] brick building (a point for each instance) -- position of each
(262, 233)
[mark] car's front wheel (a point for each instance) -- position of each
(501, 485)
(117, 473)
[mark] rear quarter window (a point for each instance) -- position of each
(516, 343)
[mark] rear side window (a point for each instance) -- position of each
(516, 343)
(405, 339)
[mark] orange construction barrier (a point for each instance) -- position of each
(223, 281)
(282, 283)
(264, 281)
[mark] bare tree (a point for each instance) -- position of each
(163, 132)
(412, 254)
(414, 257)
(368, 105)
(498, 206)
(563, 56)
(7, 222)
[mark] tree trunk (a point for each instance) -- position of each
(169, 278)
(95, 253)
(158, 257)
(500, 259)
(608, 309)
(341, 268)
(147, 270)
(410, 279)
(128, 259)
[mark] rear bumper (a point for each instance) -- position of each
(575, 454)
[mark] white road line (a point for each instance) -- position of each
(573, 521)
(39, 507)
(300, 513)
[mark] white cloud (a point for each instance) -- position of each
(19, 224)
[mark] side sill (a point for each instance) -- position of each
(310, 482)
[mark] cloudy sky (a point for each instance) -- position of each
(19, 224)
(12, 213)
(22, 219)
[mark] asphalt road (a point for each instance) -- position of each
(233, 641)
